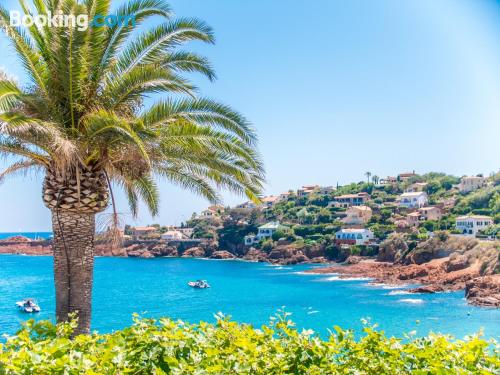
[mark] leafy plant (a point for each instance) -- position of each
(165, 346)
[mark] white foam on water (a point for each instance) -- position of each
(313, 274)
(414, 301)
(387, 286)
(312, 312)
(398, 292)
(338, 278)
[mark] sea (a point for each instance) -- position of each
(248, 292)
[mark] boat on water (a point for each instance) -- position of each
(199, 284)
(28, 305)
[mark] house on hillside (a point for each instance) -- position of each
(306, 190)
(357, 215)
(405, 176)
(430, 213)
(470, 225)
(270, 200)
(416, 187)
(211, 213)
(249, 205)
(413, 219)
(142, 232)
(173, 235)
(284, 196)
(471, 183)
(264, 232)
(389, 180)
(348, 200)
(324, 190)
(413, 200)
(348, 236)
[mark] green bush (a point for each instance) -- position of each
(226, 347)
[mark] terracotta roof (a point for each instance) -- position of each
(144, 229)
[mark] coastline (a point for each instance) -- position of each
(432, 277)
(439, 274)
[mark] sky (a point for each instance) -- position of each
(334, 89)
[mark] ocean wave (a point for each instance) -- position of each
(338, 278)
(414, 301)
(398, 292)
(312, 312)
(387, 286)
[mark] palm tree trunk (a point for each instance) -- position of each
(73, 265)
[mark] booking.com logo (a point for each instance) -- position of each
(79, 21)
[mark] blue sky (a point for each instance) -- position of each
(334, 89)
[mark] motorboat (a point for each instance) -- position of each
(28, 305)
(199, 284)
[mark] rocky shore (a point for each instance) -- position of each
(436, 265)
(281, 254)
(437, 275)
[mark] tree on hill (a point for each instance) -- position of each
(368, 175)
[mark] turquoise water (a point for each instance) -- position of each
(32, 235)
(249, 292)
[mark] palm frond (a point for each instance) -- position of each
(153, 43)
(188, 62)
(22, 166)
(202, 112)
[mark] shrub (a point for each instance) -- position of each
(267, 246)
(173, 347)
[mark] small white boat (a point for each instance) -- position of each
(28, 305)
(199, 284)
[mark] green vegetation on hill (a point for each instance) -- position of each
(313, 222)
(175, 347)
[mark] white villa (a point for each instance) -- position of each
(413, 200)
(356, 215)
(172, 235)
(212, 212)
(471, 224)
(264, 231)
(354, 236)
(188, 232)
(470, 183)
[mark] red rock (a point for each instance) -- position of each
(195, 252)
(484, 291)
(222, 254)
(255, 255)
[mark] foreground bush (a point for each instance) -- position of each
(167, 346)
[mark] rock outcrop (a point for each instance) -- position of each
(484, 291)
(392, 249)
(194, 252)
(222, 254)
(255, 255)
(287, 254)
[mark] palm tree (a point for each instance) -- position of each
(368, 175)
(375, 179)
(82, 122)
